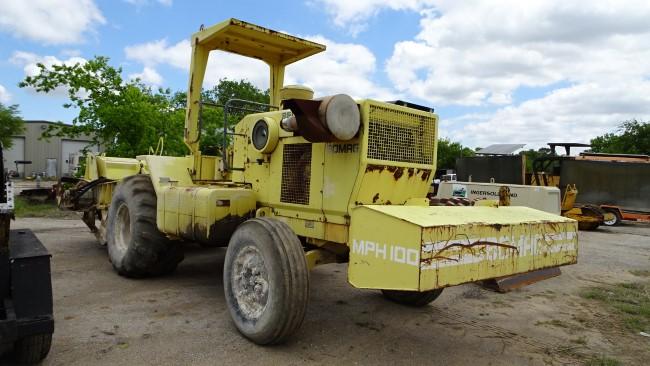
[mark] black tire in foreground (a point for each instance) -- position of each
(412, 298)
(135, 246)
(32, 349)
(266, 280)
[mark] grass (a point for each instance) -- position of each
(501, 303)
(603, 361)
(580, 340)
(630, 300)
(554, 322)
(26, 208)
(640, 272)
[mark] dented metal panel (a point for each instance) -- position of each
(433, 247)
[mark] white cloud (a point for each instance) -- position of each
(50, 21)
(589, 57)
(354, 15)
(343, 68)
(29, 62)
(148, 76)
(475, 53)
(220, 65)
(5, 97)
(572, 114)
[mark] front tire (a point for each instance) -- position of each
(412, 298)
(32, 349)
(135, 246)
(266, 280)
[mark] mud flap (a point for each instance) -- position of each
(509, 283)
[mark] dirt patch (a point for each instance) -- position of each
(104, 319)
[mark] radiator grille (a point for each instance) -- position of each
(296, 174)
(405, 137)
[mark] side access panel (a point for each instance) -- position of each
(423, 248)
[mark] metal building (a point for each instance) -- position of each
(56, 155)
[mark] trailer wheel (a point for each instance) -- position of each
(266, 281)
(614, 221)
(135, 246)
(412, 298)
(32, 349)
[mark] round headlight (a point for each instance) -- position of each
(265, 135)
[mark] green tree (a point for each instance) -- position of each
(532, 154)
(10, 124)
(632, 137)
(127, 118)
(212, 118)
(448, 151)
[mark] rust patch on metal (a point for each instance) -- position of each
(504, 196)
(375, 198)
(398, 173)
(481, 244)
(373, 168)
(497, 227)
(437, 258)
(388, 202)
(505, 284)
(309, 124)
(425, 174)
(411, 172)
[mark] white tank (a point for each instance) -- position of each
(540, 198)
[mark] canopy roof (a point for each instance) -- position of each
(251, 40)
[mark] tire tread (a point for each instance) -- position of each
(32, 349)
(152, 253)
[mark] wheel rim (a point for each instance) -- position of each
(250, 282)
(611, 221)
(122, 228)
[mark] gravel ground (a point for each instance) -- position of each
(104, 319)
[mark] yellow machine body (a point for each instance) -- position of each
(362, 199)
(425, 248)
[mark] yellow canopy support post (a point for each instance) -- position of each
(235, 36)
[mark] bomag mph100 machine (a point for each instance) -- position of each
(305, 183)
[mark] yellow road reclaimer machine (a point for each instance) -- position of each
(308, 182)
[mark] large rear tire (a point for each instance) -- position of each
(32, 349)
(412, 298)
(266, 280)
(135, 246)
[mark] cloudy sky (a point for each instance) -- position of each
(499, 71)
